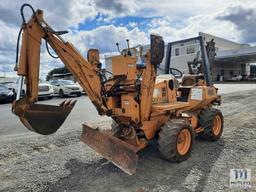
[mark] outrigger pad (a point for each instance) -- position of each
(120, 153)
(44, 119)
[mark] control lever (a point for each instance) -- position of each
(118, 49)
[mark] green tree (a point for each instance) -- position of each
(60, 70)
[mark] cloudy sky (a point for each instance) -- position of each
(102, 23)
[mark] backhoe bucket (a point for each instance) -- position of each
(120, 153)
(42, 119)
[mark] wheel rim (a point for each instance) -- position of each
(216, 125)
(183, 141)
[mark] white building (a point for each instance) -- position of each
(232, 58)
(225, 65)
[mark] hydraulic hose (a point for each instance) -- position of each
(23, 23)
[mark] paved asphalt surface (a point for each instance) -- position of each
(59, 162)
(84, 111)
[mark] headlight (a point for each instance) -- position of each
(10, 93)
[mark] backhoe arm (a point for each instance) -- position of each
(86, 72)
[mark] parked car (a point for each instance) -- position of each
(16, 87)
(64, 88)
(6, 95)
(250, 78)
(83, 91)
(9, 84)
(236, 78)
(45, 91)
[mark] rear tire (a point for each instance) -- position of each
(61, 93)
(175, 141)
(49, 97)
(211, 120)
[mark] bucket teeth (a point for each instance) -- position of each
(62, 103)
(68, 104)
(72, 104)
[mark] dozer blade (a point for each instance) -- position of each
(42, 119)
(120, 153)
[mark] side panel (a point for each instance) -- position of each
(131, 107)
(155, 123)
(201, 97)
(124, 66)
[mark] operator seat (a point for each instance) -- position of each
(188, 81)
(191, 80)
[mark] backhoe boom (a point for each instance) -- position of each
(86, 72)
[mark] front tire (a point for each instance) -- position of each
(78, 94)
(211, 120)
(175, 141)
(49, 97)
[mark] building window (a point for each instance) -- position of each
(177, 51)
(191, 49)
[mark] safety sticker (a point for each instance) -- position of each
(196, 94)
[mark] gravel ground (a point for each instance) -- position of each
(61, 163)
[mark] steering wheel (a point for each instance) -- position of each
(176, 72)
